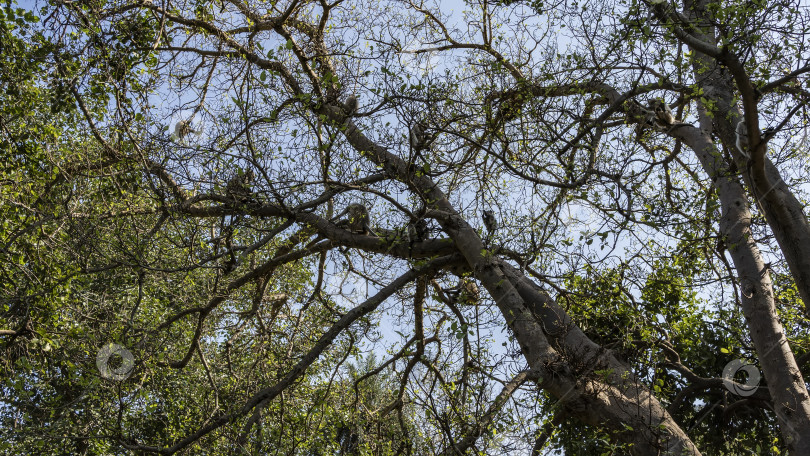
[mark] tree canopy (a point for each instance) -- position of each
(404, 227)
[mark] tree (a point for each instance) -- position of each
(190, 200)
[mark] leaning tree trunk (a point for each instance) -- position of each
(789, 395)
(558, 351)
(783, 211)
(787, 387)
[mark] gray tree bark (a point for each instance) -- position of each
(791, 402)
(783, 211)
(555, 348)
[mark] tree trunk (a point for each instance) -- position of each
(790, 400)
(567, 362)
